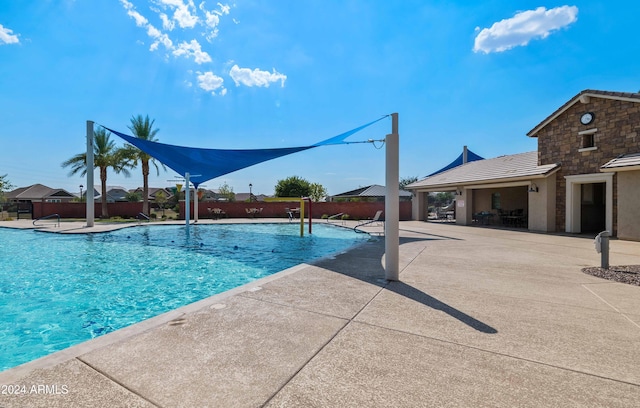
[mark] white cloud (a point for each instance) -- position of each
(224, 9)
(211, 83)
(184, 12)
(523, 27)
(185, 16)
(7, 36)
(248, 77)
(192, 49)
(158, 38)
(141, 21)
(167, 24)
(212, 19)
(177, 18)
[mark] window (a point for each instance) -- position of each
(587, 140)
(495, 201)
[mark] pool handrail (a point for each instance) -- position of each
(143, 215)
(46, 217)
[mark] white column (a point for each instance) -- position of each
(90, 198)
(187, 204)
(392, 203)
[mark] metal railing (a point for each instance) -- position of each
(46, 218)
(141, 216)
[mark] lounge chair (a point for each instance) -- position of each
(375, 219)
(216, 213)
(334, 217)
(251, 212)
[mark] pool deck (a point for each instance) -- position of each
(481, 318)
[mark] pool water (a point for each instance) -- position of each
(57, 290)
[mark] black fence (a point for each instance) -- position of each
(18, 210)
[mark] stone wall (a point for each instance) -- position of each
(618, 132)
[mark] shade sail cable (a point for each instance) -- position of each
(207, 164)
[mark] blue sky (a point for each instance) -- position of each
(265, 74)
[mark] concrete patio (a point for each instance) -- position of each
(481, 318)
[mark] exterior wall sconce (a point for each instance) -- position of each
(533, 188)
(459, 192)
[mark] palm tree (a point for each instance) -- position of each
(105, 155)
(142, 128)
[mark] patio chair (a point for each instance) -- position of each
(216, 213)
(335, 217)
(375, 219)
(289, 214)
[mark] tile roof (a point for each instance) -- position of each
(374, 190)
(625, 162)
(36, 192)
(625, 96)
(513, 167)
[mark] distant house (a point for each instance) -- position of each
(245, 197)
(39, 193)
(373, 192)
(24, 197)
(153, 191)
(114, 194)
(584, 176)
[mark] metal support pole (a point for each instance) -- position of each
(604, 259)
(195, 204)
(301, 217)
(602, 247)
(392, 203)
(187, 203)
(310, 215)
(90, 196)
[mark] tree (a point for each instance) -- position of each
(405, 181)
(161, 200)
(5, 185)
(440, 199)
(105, 155)
(317, 192)
(142, 128)
(226, 191)
(132, 197)
(293, 186)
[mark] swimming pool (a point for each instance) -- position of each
(58, 290)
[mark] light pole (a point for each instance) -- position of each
(81, 192)
(250, 194)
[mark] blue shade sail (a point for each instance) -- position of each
(206, 164)
(471, 156)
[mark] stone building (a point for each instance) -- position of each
(584, 177)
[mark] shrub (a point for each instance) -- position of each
(345, 216)
(324, 216)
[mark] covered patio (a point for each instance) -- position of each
(509, 191)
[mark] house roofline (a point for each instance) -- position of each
(478, 183)
(619, 168)
(584, 98)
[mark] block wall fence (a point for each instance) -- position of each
(356, 210)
